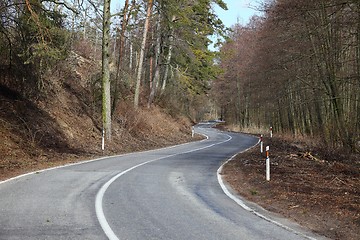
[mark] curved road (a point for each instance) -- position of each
(171, 193)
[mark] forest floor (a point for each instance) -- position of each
(43, 135)
(63, 124)
(317, 188)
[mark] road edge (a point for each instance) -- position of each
(100, 195)
(91, 160)
(254, 208)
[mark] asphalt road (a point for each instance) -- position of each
(171, 193)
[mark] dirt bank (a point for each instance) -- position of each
(318, 189)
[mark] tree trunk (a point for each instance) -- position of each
(168, 58)
(106, 98)
(142, 52)
(156, 79)
(131, 54)
(121, 53)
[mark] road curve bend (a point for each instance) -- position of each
(169, 193)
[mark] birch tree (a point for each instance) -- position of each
(156, 78)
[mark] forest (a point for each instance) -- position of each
(145, 53)
(83, 79)
(296, 68)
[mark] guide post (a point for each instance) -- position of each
(103, 140)
(267, 164)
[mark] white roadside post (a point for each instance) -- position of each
(103, 140)
(267, 164)
(271, 132)
(192, 131)
(261, 144)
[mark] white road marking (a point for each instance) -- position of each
(100, 195)
(247, 208)
(89, 161)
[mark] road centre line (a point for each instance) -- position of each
(100, 195)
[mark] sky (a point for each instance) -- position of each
(239, 11)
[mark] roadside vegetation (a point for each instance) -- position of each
(296, 68)
(75, 71)
(309, 183)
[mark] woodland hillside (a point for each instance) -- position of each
(74, 71)
(63, 125)
(147, 52)
(296, 68)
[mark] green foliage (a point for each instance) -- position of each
(50, 53)
(253, 192)
(193, 26)
(38, 41)
(42, 36)
(221, 4)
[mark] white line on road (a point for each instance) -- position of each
(89, 161)
(100, 195)
(247, 208)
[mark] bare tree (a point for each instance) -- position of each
(106, 97)
(142, 52)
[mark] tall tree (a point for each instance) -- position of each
(126, 13)
(106, 97)
(33, 38)
(156, 79)
(302, 75)
(142, 52)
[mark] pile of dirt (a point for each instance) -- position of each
(321, 191)
(63, 125)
